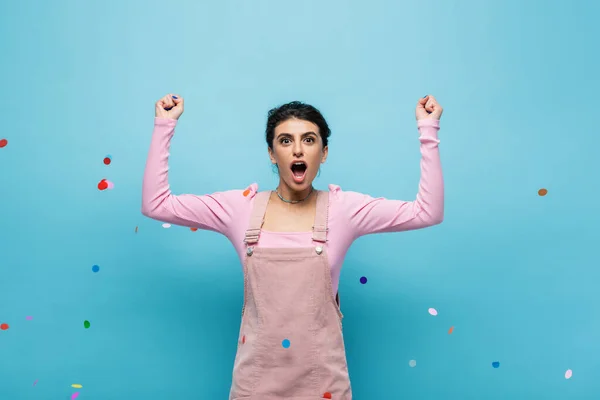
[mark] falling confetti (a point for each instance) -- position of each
(433, 311)
(244, 339)
(28, 318)
(4, 327)
(34, 383)
(363, 279)
(107, 160)
(496, 364)
(103, 185)
(86, 324)
(543, 192)
(76, 386)
(246, 192)
(3, 143)
(95, 268)
(110, 185)
(75, 395)
(166, 226)
(193, 229)
(450, 330)
(568, 374)
(327, 395)
(285, 343)
(412, 363)
(136, 229)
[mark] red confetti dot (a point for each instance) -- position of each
(327, 395)
(450, 330)
(193, 229)
(3, 143)
(106, 161)
(102, 185)
(244, 339)
(4, 326)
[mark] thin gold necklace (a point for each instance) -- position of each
(293, 201)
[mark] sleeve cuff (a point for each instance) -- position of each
(165, 121)
(428, 122)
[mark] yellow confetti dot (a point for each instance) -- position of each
(76, 385)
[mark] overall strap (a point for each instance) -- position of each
(320, 226)
(261, 199)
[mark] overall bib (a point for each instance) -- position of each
(290, 344)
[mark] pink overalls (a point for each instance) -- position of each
(290, 344)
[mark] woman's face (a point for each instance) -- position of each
(298, 152)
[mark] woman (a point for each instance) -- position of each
(291, 243)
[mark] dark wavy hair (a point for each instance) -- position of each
(298, 110)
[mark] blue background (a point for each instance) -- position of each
(515, 273)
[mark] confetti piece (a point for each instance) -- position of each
(363, 279)
(86, 324)
(568, 374)
(496, 364)
(34, 383)
(543, 192)
(4, 327)
(107, 160)
(75, 395)
(3, 143)
(244, 339)
(326, 395)
(76, 385)
(412, 363)
(193, 229)
(136, 229)
(110, 185)
(95, 268)
(103, 185)
(433, 311)
(450, 330)
(166, 226)
(285, 343)
(28, 318)
(246, 192)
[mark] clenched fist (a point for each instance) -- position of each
(428, 107)
(170, 106)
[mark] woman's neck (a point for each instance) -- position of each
(293, 195)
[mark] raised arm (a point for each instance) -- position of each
(215, 212)
(366, 215)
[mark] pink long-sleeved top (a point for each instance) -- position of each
(351, 214)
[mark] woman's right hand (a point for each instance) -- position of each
(170, 106)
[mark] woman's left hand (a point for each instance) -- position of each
(428, 108)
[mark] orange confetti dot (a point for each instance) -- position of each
(3, 143)
(450, 330)
(4, 326)
(246, 192)
(193, 229)
(543, 192)
(327, 395)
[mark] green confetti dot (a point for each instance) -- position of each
(86, 324)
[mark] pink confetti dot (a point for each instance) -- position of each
(28, 318)
(433, 311)
(75, 395)
(568, 374)
(110, 185)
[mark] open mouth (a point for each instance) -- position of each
(299, 171)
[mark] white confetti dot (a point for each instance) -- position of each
(568, 374)
(412, 363)
(166, 226)
(433, 311)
